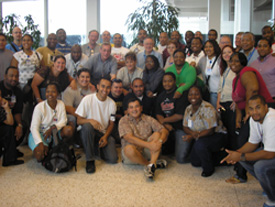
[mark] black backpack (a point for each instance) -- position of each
(61, 156)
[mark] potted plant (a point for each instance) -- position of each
(154, 17)
(10, 21)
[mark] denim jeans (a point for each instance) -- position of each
(264, 172)
(182, 148)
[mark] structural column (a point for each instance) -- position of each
(214, 15)
(93, 15)
(243, 16)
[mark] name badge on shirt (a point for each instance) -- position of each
(113, 117)
(190, 123)
(208, 71)
(13, 99)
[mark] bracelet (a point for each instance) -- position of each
(20, 125)
(8, 112)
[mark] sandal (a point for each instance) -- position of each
(235, 179)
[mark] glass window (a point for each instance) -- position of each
(71, 16)
(24, 8)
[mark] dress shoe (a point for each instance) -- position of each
(15, 162)
(207, 174)
(19, 154)
(90, 167)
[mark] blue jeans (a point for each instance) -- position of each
(264, 172)
(182, 148)
(213, 99)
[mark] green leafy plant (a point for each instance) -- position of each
(10, 21)
(154, 17)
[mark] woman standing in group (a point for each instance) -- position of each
(171, 48)
(152, 76)
(27, 61)
(57, 73)
(225, 104)
(209, 66)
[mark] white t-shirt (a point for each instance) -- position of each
(273, 48)
(27, 65)
(161, 48)
(44, 117)
(137, 48)
(214, 74)
(102, 111)
(264, 132)
(119, 53)
(193, 58)
(72, 66)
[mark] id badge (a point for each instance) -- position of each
(28, 62)
(208, 71)
(13, 99)
(190, 123)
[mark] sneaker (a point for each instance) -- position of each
(269, 203)
(161, 164)
(149, 171)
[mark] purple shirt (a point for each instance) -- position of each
(267, 70)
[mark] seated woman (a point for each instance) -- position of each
(202, 125)
(57, 73)
(129, 72)
(152, 76)
(48, 115)
(171, 48)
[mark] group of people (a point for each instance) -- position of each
(207, 103)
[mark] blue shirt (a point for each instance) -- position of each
(64, 48)
(10, 47)
(141, 59)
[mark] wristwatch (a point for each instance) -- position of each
(243, 157)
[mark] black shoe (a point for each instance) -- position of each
(90, 167)
(207, 174)
(19, 154)
(16, 162)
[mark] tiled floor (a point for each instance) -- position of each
(118, 185)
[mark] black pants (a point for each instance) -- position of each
(7, 142)
(204, 150)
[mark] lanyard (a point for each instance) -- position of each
(224, 76)
(250, 55)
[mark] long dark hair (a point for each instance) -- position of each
(217, 49)
(223, 64)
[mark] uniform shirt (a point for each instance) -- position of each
(73, 67)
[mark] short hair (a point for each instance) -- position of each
(147, 38)
(242, 58)
(196, 86)
(105, 77)
(117, 34)
(105, 44)
(116, 81)
(172, 42)
(217, 49)
(257, 96)
(56, 84)
(249, 33)
(10, 67)
(28, 35)
(171, 74)
(81, 71)
(131, 55)
(58, 57)
(60, 30)
(137, 79)
(197, 38)
(213, 30)
(179, 50)
(3, 35)
(133, 99)
(268, 41)
(265, 27)
(94, 31)
(239, 33)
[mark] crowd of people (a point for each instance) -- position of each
(206, 103)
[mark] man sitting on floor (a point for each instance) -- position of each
(142, 137)
(257, 158)
(96, 113)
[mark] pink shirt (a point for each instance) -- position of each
(239, 93)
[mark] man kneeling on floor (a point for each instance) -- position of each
(96, 113)
(258, 155)
(141, 138)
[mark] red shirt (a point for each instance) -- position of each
(239, 93)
